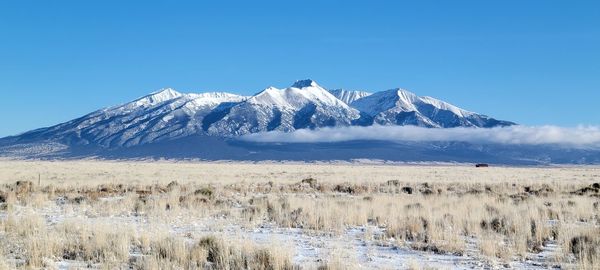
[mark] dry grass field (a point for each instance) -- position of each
(167, 215)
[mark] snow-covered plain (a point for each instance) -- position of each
(355, 245)
(364, 246)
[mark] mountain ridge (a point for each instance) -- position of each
(348, 96)
(167, 114)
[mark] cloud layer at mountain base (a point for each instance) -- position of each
(584, 136)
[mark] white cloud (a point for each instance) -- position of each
(530, 135)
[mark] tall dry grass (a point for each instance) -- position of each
(506, 220)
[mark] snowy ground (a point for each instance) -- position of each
(359, 247)
(363, 247)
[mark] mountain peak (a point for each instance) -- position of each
(159, 96)
(165, 93)
(398, 92)
(304, 83)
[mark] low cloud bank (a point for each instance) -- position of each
(529, 135)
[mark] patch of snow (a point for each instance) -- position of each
(348, 96)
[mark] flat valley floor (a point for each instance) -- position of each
(220, 215)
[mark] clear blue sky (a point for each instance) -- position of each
(532, 62)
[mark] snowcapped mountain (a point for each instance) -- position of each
(168, 115)
(303, 105)
(348, 96)
(165, 114)
(401, 107)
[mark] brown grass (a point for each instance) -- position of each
(509, 220)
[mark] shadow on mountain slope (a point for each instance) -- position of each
(215, 148)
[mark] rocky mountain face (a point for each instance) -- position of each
(401, 107)
(348, 96)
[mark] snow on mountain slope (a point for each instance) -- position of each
(296, 96)
(159, 96)
(348, 96)
(167, 115)
(401, 107)
(303, 105)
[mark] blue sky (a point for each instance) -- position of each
(532, 62)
